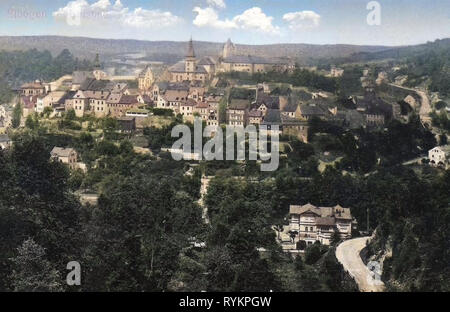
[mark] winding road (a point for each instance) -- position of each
(425, 105)
(348, 254)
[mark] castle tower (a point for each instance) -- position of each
(229, 49)
(189, 61)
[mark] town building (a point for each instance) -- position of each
(336, 72)
(439, 156)
(98, 102)
(271, 123)
(237, 112)
(253, 64)
(78, 102)
(172, 99)
(202, 110)
(52, 99)
(255, 117)
(145, 79)
(138, 113)
(33, 88)
(118, 104)
(309, 111)
(309, 223)
(65, 155)
(375, 111)
(186, 108)
(295, 127)
(188, 70)
(265, 102)
(78, 77)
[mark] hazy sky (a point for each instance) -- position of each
(244, 21)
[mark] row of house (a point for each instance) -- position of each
(289, 115)
(96, 97)
(189, 100)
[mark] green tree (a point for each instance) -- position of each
(17, 115)
(32, 272)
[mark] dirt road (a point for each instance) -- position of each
(348, 254)
(425, 105)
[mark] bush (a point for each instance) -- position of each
(313, 253)
(301, 245)
(440, 105)
(162, 112)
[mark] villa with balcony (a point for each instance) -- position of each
(309, 223)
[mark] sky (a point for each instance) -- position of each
(363, 22)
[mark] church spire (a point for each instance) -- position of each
(190, 52)
(97, 62)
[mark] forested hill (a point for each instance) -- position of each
(87, 47)
(395, 52)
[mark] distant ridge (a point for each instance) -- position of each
(87, 47)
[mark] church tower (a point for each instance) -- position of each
(99, 74)
(189, 61)
(97, 62)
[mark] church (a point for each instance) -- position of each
(145, 79)
(189, 69)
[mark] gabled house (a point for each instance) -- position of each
(172, 99)
(271, 121)
(255, 117)
(202, 109)
(237, 112)
(65, 155)
(186, 109)
(265, 102)
(289, 109)
(118, 104)
(98, 102)
(52, 99)
(78, 102)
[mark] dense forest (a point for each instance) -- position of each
(139, 236)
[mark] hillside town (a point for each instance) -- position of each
(358, 200)
(190, 89)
